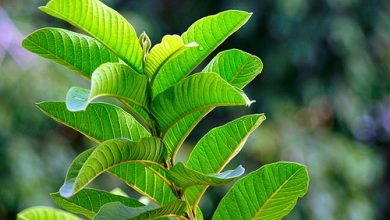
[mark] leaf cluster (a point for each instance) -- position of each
(163, 100)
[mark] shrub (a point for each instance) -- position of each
(162, 103)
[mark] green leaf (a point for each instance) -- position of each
(99, 122)
(78, 52)
(87, 202)
(118, 211)
(109, 154)
(236, 67)
(111, 79)
(209, 32)
(43, 213)
(215, 149)
(146, 179)
(102, 23)
(270, 192)
(185, 177)
(170, 46)
(197, 92)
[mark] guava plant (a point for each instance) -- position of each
(162, 101)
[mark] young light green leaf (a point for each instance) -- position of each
(102, 23)
(145, 179)
(88, 202)
(185, 177)
(214, 151)
(146, 44)
(197, 92)
(77, 52)
(99, 122)
(109, 154)
(41, 212)
(170, 46)
(271, 192)
(111, 79)
(236, 67)
(118, 211)
(208, 32)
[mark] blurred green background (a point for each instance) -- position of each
(325, 89)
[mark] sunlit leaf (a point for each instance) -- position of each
(77, 52)
(87, 202)
(218, 147)
(109, 154)
(271, 192)
(170, 46)
(185, 177)
(102, 23)
(111, 79)
(199, 91)
(235, 66)
(208, 32)
(43, 213)
(98, 122)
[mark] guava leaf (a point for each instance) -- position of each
(270, 192)
(99, 122)
(104, 24)
(114, 80)
(185, 177)
(88, 202)
(109, 154)
(42, 212)
(170, 46)
(118, 211)
(77, 52)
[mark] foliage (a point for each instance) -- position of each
(165, 104)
